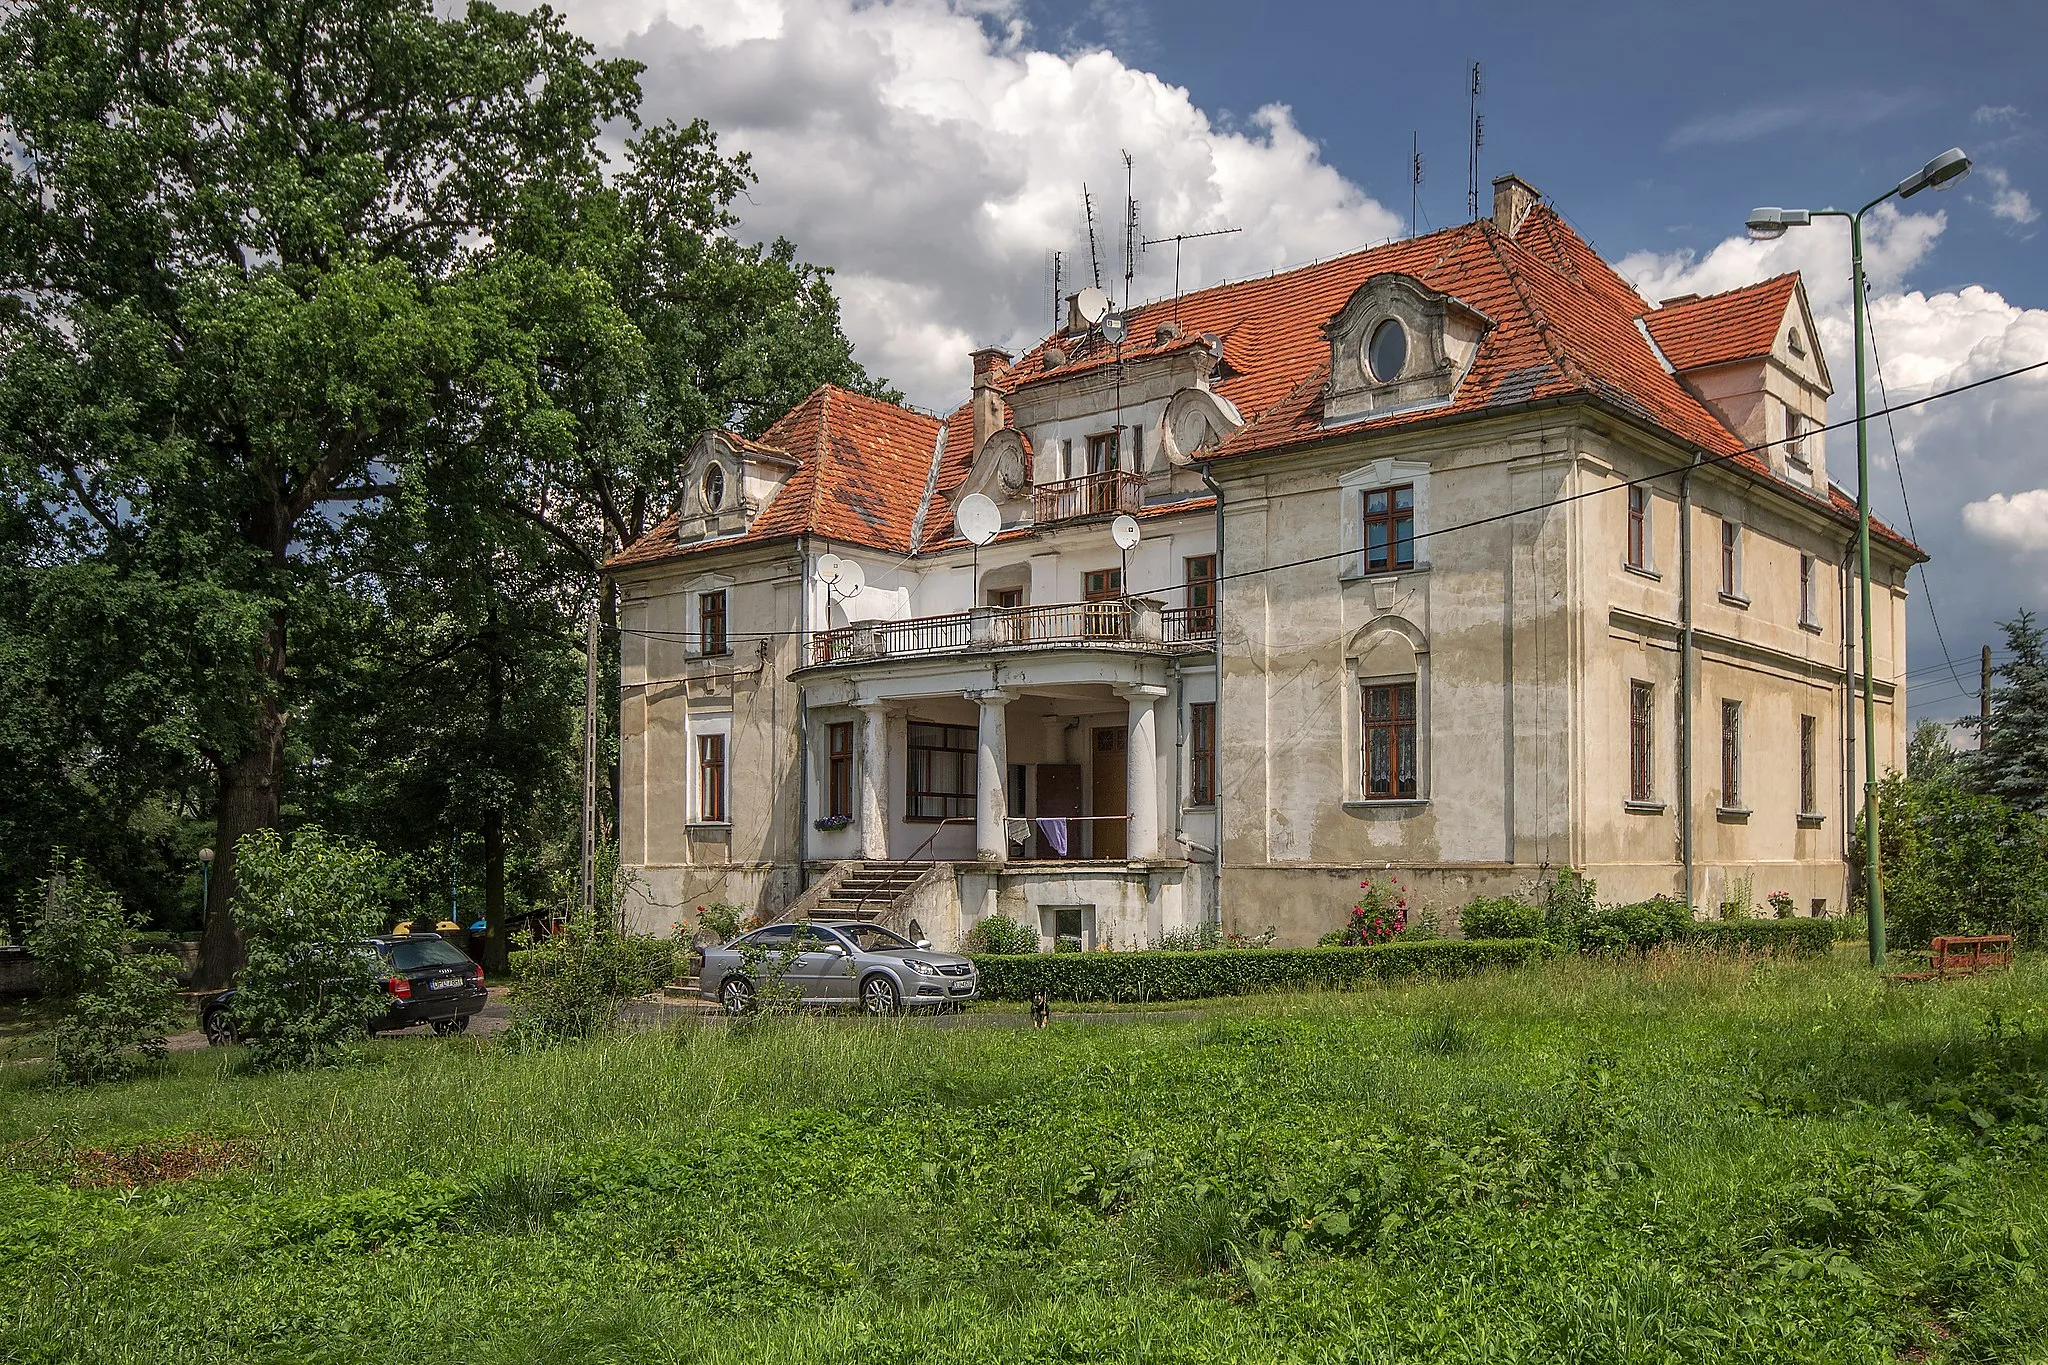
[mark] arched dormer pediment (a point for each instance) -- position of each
(726, 480)
(1397, 344)
(1195, 420)
(1001, 469)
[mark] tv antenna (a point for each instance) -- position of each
(1058, 263)
(1177, 238)
(1134, 238)
(1414, 178)
(1094, 256)
(1472, 161)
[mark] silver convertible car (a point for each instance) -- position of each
(832, 963)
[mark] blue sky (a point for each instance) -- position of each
(933, 154)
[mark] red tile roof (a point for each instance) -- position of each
(1563, 325)
(1741, 324)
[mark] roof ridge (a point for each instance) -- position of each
(1567, 364)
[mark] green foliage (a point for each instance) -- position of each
(1380, 916)
(2011, 762)
(573, 984)
(1958, 863)
(1569, 902)
(1799, 937)
(1199, 975)
(1500, 917)
(309, 988)
(998, 933)
(1740, 898)
(109, 1008)
(727, 920)
(1636, 927)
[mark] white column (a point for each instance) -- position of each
(1141, 752)
(874, 780)
(991, 781)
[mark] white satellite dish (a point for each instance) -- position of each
(1124, 531)
(850, 580)
(1092, 305)
(978, 518)
(828, 567)
(1114, 329)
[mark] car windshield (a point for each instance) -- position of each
(427, 952)
(873, 938)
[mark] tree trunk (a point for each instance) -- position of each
(249, 784)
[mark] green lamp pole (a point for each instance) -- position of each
(1767, 223)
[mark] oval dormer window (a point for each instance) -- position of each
(714, 488)
(1388, 351)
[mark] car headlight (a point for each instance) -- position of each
(923, 968)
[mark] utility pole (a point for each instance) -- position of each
(1984, 699)
(590, 764)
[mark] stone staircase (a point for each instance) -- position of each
(866, 891)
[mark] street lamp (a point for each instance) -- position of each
(1766, 224)
(205, 881)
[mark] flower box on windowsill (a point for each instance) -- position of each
(831, 824)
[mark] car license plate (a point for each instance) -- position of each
(445, 983)
(963, 990)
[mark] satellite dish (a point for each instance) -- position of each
(828, 567)
(850, 580)
(1124, 531)
(1092, 305)
(978, 518)
(1114, 330)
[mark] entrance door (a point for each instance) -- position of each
(1111, 790)
(1059, 797)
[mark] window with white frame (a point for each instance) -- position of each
(711, 767)
(1795, 436)
(1385, 517)
(1731, 559)
(1636, 551)
(707, 619)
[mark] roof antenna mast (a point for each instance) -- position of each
(1134, 237)
(1177, 238)
(1478, 137)
(1414, 177)
(1058, 264)
(1094, 256)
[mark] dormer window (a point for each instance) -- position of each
(713, 488)
(1794, 344)
(1388, 353)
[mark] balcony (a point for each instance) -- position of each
(1091, 495)
(1122, 622)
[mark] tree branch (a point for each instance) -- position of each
(85, 500)
(555, 533)
(360, 493)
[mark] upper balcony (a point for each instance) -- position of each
(1091, 495)
(1137, 624)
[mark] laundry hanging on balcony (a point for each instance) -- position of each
(1054, 828)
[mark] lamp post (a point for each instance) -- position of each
(205, 882)
(1765, 224)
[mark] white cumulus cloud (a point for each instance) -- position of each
(2009, 201)
(934, 156)
(2020, 520)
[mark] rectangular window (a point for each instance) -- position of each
(1102, 453)
(1103, 590)
(711, 779)
(1138, 449)
(839, 768)
(1795, 435)
(939, 784)
(1809, 614)
(1642, 784)
(1809, 760)
(1638, 527)
(1202, 753)
(1007, 599)
(1389, 741)
(1731, 755)
(711, 622)
(1390, 529)
(1199, 574)
(1731, 559)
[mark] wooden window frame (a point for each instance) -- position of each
(1731, 558)
(711, 789)
(839, 768)
(1398, 550)
(1396, 725)
(1731, 754)
(1202, 753)
(1809, 577)
(1099, 443)
(1103, 591)
(712, 640)
(930, 804)
(1198, 578)
(1636, 553)
(1809, 765)
(1795, 436)
(1642, 753)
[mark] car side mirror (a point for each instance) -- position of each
(835, 950)
(924, 943)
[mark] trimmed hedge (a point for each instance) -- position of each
(1800, 937)
(1132, 977)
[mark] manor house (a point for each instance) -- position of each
(1454, 556)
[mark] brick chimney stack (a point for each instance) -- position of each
(1513, 197)
(991, 363)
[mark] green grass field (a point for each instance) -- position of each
(1690, 1158)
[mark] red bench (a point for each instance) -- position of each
(1954, 955)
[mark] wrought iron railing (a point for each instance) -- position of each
(1091, 495)
(1111, 621)
(1188, 625)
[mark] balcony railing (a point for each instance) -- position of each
(1091, 495)
(1114, 621)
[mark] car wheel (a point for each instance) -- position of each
(736, 995)
(878, 995)
(444, 1027)
(219, 1029)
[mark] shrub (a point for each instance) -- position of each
(573, 984)
(1568, 903)
(1781, 904)
(308, 985)
(727, 920)
(110, 1010)
(1200, 975)
(1799, 937)
(1380, 916)
(998, 933)
(1955, 863)
(1644, 924)
(1500, 917)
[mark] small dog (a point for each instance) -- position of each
(1041, 1009)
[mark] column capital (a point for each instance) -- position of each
(994, 696)
(1140, 691)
